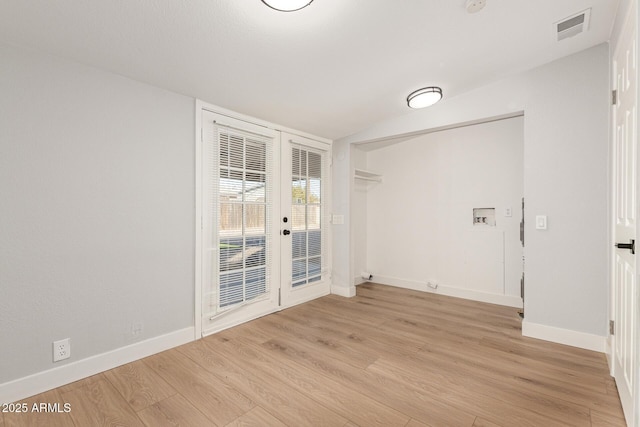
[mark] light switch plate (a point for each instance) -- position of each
(541, 222)
(507, 212)
(337, 219)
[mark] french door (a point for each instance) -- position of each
(253, 260)
(304, 222)
(625, 190)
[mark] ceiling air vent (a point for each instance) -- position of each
(573, 25)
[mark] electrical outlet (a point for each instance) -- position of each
(137, 328)
(337, 219)
(61, 350)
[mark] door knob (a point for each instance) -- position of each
(631, 246)
(286, 232)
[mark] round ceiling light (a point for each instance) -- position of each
(287, 5)
(424, 97)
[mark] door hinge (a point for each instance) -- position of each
(614, 97)
(201, 135)
(612, 327)
(279, 297)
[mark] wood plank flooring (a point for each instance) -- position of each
(387, 357)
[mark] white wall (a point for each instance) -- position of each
(359, 219)
(341, 253)
(420, 219)
(566, 106)
(96, 211)
(566, 175)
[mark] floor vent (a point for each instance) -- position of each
(573, 25)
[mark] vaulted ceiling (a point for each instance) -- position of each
(331, 69)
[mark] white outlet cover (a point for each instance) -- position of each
(61, 350)
(337, 219)
(137, 328)
(507, 212)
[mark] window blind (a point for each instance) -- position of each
(307, 196)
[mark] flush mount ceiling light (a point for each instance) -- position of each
(424, 97)
(287, 5)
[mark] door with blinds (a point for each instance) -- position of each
(304, 219)
(240, 237)
(263, 235)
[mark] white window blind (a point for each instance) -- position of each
(307, 210)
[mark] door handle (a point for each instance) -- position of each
(286, 232)
(631, 246)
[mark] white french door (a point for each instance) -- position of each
(304, 222)
(240, 202)
(251, 261)
(625, 291)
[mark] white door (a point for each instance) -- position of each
(240, 248)
(625, 302)
(304, 219)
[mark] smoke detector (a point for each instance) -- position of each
(474, 6)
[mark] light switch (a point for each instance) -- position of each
(507, 212)
(337, 219)
(541, 222)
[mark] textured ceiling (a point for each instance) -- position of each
(331, 69)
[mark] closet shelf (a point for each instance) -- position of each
(365, 175)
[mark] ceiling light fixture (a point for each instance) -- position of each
(287, 5)
(424, 97)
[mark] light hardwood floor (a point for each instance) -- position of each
(388, 357)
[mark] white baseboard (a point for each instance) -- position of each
(359, 281)
(22, 388)
(344, 291)
(564, 336)
(608, 351)
(509, 301)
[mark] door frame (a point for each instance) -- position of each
(200, 107)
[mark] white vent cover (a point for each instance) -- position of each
(573, 25)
